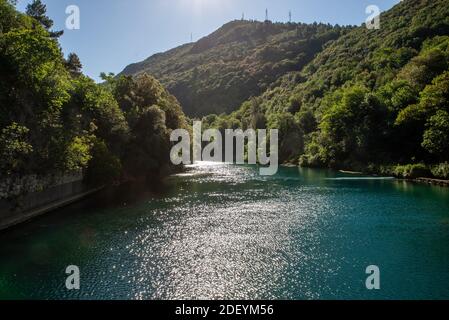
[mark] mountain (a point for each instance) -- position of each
(369, 100)
(238, 61)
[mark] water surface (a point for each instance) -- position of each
(224, 232)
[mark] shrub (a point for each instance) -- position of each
(77, 154)
(441, 171)
(437, 134)
(14, 148)
(412, 171)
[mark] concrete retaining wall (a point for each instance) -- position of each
(44, 194)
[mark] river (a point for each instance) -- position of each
(221, 231)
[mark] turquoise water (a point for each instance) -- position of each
(224, 232)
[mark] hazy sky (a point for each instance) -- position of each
(115, 33)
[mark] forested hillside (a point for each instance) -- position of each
(373, 100)
(53, 119)
(342, 97)
(238, 61)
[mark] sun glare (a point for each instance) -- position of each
(200, 6)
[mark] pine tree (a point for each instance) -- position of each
(38, 10)
(73, 65)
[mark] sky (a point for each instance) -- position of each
(115, 33)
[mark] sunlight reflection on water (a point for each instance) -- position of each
(229, 245)
(225, 232)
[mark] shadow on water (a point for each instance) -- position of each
(129, 193)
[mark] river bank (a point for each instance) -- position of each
(24, 216)
(416, 173)
(429, 181)
(435, 182)
(28, 197)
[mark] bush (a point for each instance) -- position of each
(14, 148)
(412, 171)
(437, 134)
(441, 171)
(77, 154)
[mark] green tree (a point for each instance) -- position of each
(348, 126)
(290, 136)
(9, 18)
(38, 11)
(148, 150)
(104, 167)
(15, 149)
(73, 65)
(423, 68)
(412, 120)
(35, 90)
(436, 137)
(78, 153)
(53, 119)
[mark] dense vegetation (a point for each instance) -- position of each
(373, 100)
(53, 119)
(342, 97)
(239, 60)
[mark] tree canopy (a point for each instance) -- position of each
(53, 119)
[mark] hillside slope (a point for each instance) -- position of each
(370, 99)
(239, 60)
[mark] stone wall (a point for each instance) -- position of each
(26, 197)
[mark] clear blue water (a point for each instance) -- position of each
(224, 232)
